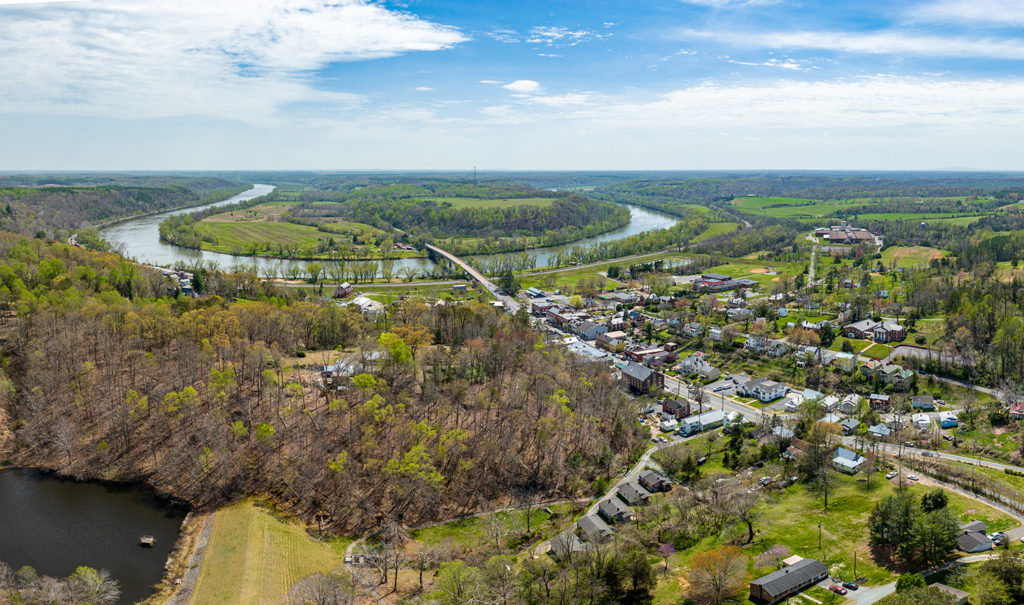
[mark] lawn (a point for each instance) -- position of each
(473, 202)
(858, 345)
(475, 534)
(792, 208)
(909, 256)
(756, 270)
(254, 557)
(877, 351)
(716, 229)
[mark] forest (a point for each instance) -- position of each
(56, 210)
(449, 409)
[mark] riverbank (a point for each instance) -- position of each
(113, 222)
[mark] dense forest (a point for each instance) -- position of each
(449, 409)
(54, 209)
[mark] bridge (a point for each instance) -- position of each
(511, 304)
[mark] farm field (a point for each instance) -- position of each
(232, 236)
(254, 557)
(909, 256)
(472, 202)
(716, 229)
(791, 208)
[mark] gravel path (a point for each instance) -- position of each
(184, 594)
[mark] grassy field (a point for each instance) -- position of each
(230, 237)
(878, 351)
(909, 256)
(716, 229)
(756, 270)
(255, 557)
(472, 202)
(791, 519)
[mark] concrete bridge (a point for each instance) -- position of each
(511, 304)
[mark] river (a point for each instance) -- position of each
(56, 525)
(139, 239)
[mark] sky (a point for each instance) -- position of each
(511, 85)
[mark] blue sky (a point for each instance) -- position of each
(449, 84)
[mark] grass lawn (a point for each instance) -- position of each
(858, 345)
(909, 256)
(878, 351)
(756, 270)
(474, 533)
(472, 202)
(255, 557)
(716, 229)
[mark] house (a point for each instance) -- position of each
(564, 544)
(978, 526)
(614, 510)
(850, 425)
(642, 379)
(534, 292)
(921, 421)
(903, 379)
(762, 389)
(776, 348)
(863, 329)
(709, 372)
(594, 529)
(701, 422)
(812, 395)
(739, 314)
(677, 408)
(879, 431)
(540, 307)
(667, 426)
(830, 418)
(715, 334)
(923, 402)
(846, 362)
(830, 403)
(948, 420)
(692, 329)
(654, 481)
(878, 401)
(788, 581)
(632, 494)
(850, 404)
(1017, 410)
(871, 367)
(783, 432)
(343, 290)
(973, 541)
(369, 308)
(888, 331)
(589, 330)
(587, 351)
(756, 344)
(956, 596)
(847, 461)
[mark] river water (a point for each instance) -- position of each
(139, 239)
(56, 525)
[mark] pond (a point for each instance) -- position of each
(56, 525)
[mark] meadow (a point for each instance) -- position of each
(254, 556)
(716, 229)
(910, 256)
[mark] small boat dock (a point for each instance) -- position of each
(147, 541)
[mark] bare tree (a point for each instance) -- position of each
(322, 589)
(717, 575)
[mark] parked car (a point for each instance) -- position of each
(928, 454)
(890, 474)
(702, 460)
(912, 477)
(947, 437)
(908, 443)
(850, 585)
(837, 589)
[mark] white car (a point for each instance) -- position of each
(912, 477)
(890, 474)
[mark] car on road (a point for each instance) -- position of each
(890, 474)
(947, 437)
(908, 444)
(850, 585)
(912, 477)
(837, 589)
(653, 440)
(929, 454)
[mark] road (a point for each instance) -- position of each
(511, 304)
(598, 263)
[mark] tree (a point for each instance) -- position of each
(935, 535)
(717, 575)
(934, 500)
(94, 587)
(990, 590)
(322, 589)
(457, 583)
(908, 581)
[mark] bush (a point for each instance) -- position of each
(908, 581)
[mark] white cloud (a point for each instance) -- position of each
(560, 36)
(998, 12)
(729, 3)
(235, 59)
(790, 64)
(506, 36)
(565, 100)
(888, 42)
(423, 89)
(523, 87)
(490, 82)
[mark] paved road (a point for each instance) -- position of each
(511, 304)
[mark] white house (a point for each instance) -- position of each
(830, 403)
(849, 404)
(847, 461)
(921, 421)
(702, 422)
(762, 389)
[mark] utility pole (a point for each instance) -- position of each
(819, 536)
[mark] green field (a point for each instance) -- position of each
(910, 256)
(877, 351)
(255, 557)
(473, 202)
(716, 229)
(230, 237)
(792, 208)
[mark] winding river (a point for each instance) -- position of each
(56, 525)
(139, 238)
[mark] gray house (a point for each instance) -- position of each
(633, 494)
(788, 581)
(614, 510)
(564, 544)
(594, 530)
(589, 330)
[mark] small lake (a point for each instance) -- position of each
(139, 239)
(56, 525)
